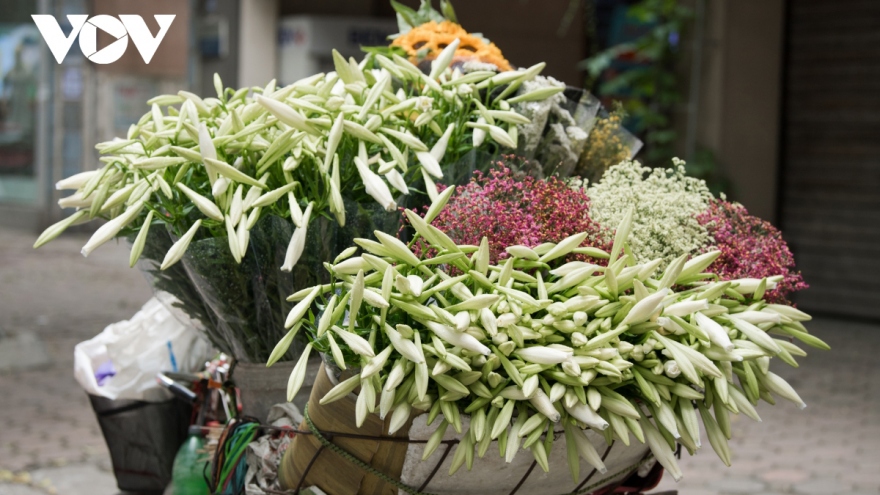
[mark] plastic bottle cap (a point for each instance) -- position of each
(195, 430)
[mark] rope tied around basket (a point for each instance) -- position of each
(324, 438)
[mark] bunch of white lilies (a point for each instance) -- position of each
(537, 345)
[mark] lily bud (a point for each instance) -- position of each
(544, 405)
(110, 229)
(686, 308)
(298, 375)
(375, 186)
(717, 334)
(544, 355)
(297, 242)
(342, 389)
(301, 307)
(204, 204)
(377, 363)
(355, 342)
(584, 414)
(399, 417)
(175, 253)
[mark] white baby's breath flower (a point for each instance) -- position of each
(666, 203)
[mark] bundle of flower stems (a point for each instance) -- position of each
(541, 343)
(214, 166)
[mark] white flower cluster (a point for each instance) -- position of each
(666, 203)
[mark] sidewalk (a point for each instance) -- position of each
(50, 442)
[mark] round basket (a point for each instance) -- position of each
(340, 458)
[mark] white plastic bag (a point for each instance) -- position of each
(152, 341)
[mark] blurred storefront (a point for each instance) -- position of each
(52, 114)
(780, 92)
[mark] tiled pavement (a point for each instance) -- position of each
(49, 439)
(50, 442)
(831, 447)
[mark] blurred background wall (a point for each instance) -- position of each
(772, 101)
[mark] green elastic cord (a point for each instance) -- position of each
(412, 491)
(354, 460)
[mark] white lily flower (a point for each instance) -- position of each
(235, 209)
(544, 355)
(586, 449)
(204, 204)
(298, 375)
(441, 63)
(755, 334)
(397, 180)
(717, 334)
(220, 184)
(686, 308)
(56, 229)
(758, 317)
(462, 321)
(589, 417)
(286, 114)
(232, 239)
(207, 149)
(430, 186)
(416, 285)
(333, 140)
(175, 253)
(399, 417)
(376, 364)
(355, 342)
(272, 197)
(351, 266)
(405, 347)
(301, 307)
(670, 325)
(375, 186)
(405, 138)
(375, 299)
(439, 149)
(544, 405)
(480, 132)
(429, 163)
(76, 200)
(463, 340)
(501, 136)
(110, 229)
(297, 242)
(671, 369)
(505, 320)
(76, 181)
(645, 308)
(750, 285)
(341, 390)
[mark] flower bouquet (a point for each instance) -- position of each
(236, 182)
(549, 342)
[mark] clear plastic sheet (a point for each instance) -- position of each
(241, 308)
(560, 141)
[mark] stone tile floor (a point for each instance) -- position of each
(50, 442)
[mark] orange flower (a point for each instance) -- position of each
(425, 42)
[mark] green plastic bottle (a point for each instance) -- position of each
(187, 475)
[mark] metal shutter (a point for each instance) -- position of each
(830, 210)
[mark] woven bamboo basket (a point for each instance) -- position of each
(342, 459)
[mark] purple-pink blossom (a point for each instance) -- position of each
(513, 209)
(750, 248)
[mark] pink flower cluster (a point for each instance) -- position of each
(510, 208)
(750, 248)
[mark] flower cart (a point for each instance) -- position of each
(419, 222)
